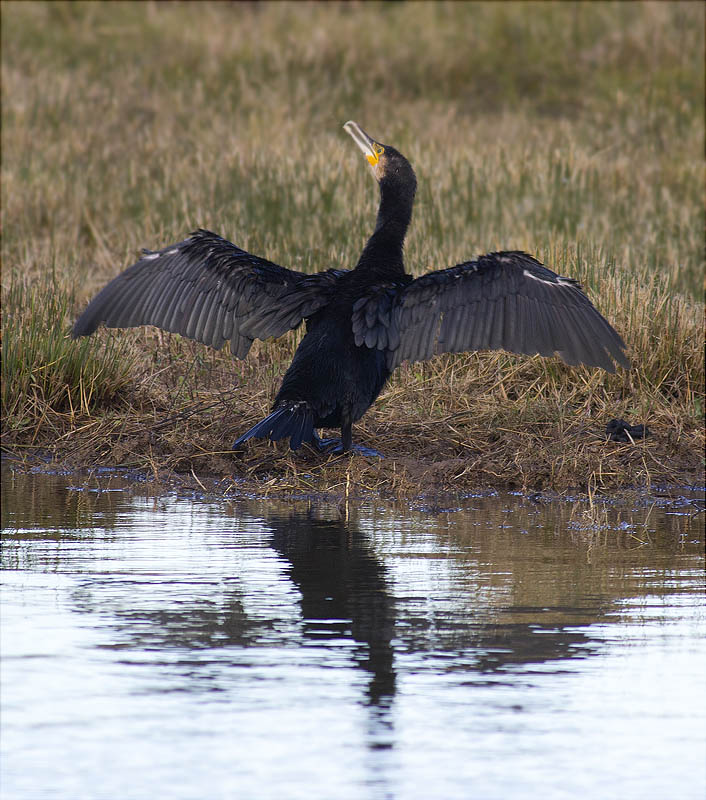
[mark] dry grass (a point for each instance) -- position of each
(587, 153)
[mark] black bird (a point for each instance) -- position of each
(617, 430)
(360, 323)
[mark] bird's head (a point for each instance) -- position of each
(390, 167)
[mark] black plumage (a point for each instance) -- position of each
(360, 323)
(617, 430)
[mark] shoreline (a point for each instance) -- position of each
(268, 470)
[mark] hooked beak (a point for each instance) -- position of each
(371, 149)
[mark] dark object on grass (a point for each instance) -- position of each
(360, 323)
(617, 430)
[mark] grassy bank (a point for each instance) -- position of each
(574, 132)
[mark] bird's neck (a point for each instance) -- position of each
(383, 252)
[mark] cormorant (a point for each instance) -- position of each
(360, 323)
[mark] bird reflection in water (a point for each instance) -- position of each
(344, 590)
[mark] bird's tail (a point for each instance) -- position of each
(293, 419)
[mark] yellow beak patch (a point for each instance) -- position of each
(378, 150)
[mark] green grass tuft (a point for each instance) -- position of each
(45, 372)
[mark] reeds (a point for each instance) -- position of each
(572, 131)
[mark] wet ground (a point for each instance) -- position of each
(495, 646)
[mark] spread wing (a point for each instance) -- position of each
(207, 289)
(501, 301)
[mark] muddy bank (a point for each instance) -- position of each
(188, 454)
(462, 424)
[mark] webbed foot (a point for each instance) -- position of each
(335, 447)
(371, 452)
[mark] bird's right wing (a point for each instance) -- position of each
(209, 290)
(501, 301)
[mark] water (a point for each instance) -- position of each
(171, 647)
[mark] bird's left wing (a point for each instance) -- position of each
(207, 289)
(501, 301)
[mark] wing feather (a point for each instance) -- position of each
(510, 332)
(483, 332)
(496, 340)
(501, 301)
(547, 329)
(571, 349)
(209, 290)
(586, 332)
(469, 320)
(167, 304)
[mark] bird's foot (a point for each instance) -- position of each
(370, 452)
(335, 447)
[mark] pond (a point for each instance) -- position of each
(501, 647)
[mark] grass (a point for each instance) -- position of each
(45, 373)
(573, 131)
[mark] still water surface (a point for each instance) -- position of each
(174, 647)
